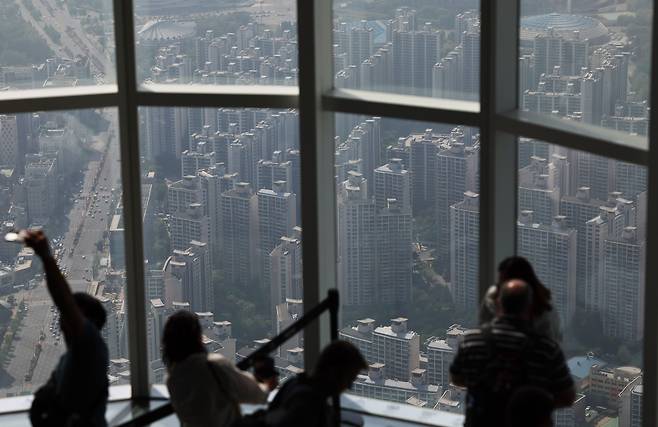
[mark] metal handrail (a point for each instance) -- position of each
(330, 303)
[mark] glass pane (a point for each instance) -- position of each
(408, 231)
(222, 234)
(221, 43)
(582, 224)
(55, 43)
(409, 47)
(588, 62)
(59, 171)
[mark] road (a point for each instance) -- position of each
(74, 41)
(91, 218)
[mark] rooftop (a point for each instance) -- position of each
(387, 330)
(167, 30)
(581, 365)
(569, 27)
(403, 385)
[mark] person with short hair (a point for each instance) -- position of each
(206, 389)
(544, 319)
(303, 400)
(76, 393)
(500, 357)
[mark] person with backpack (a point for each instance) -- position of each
(76, 393)
(501, 357)
(207, 389)
(303, 401)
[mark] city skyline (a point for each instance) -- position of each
(222, 192)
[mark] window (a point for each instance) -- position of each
(586, 63)
(408, 47)
(582, 224)
(407, 197)
(60, 171)
(56, 44)
(232, 43)
(221, 202)
(375, 110)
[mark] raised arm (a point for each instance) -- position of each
(58, 287)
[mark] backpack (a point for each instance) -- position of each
(46, 410)
(504, 372)
(272, 416)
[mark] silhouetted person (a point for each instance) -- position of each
(303, 400)
(500, 357)
(206, 389)
(530, 407)
(544, 318)
(76, 393)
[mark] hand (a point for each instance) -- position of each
(37, 240)
(271, 383)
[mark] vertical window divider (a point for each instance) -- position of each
(498, 170)
(124, 29)
(314, 28)
(650, 354)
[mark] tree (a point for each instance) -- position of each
(20, 44)
(624, 356)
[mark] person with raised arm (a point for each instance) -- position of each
(76, 393)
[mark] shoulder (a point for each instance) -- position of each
(299, 386)
(217, 359)
(90, 339)
(546, 348)
(474, 333)
(473, 338)
(194, 364)
(490, 298)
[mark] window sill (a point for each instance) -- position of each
(373, 412)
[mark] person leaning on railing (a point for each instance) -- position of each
(304, 400)
(207, 389)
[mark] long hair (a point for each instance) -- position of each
(517, 267)
(181, 337)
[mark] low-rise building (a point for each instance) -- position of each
(375, 385)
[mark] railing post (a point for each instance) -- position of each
(334, 303)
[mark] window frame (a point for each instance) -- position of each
(497, 116)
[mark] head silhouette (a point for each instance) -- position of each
(181, 337)
(338, 366)
(91, 308)
(517, 267)
(515, 298)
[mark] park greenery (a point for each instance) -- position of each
(6, 345)
(52, 33)
(33, 10)
(20, 44)
(82, 7)
(638, 29)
